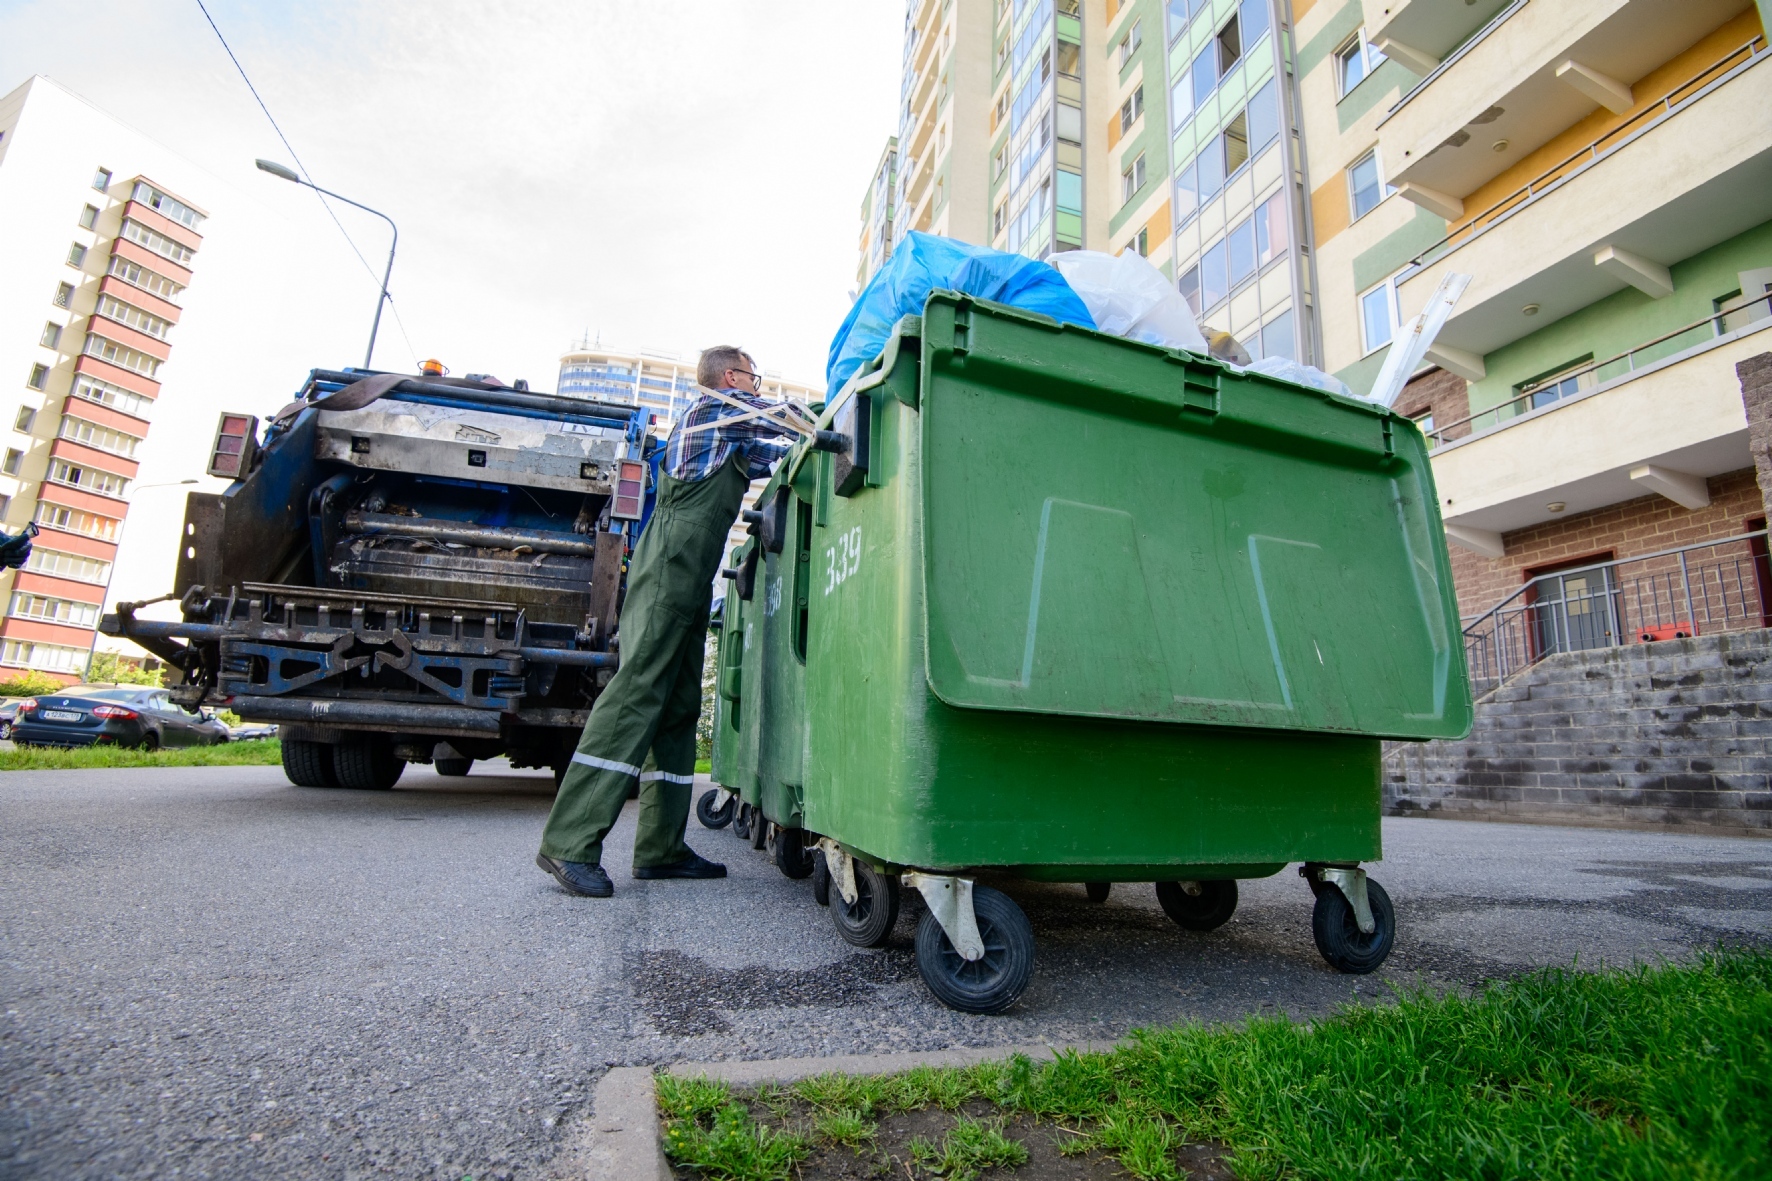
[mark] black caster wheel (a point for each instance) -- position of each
(1097, 891)
(1208, 910)
(868, 921)
(992, 983)
(759, 829)
(821, 878)
(712, 817)
(1338, 935)
(788, 849)
(453, 768)
(741, 825)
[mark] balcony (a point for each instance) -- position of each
(1661, 418)
(1424, 33)
(1532, 75)
(1682, 175)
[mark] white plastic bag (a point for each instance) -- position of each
(1129, 297)
(1289, 370)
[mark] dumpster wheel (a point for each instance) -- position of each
(741, 825)
(1098, 891)
(867, 921)
(713, 814)
(787, 848)
(821, 878)
(1336, 926)
(1199, 906)
(995, 980)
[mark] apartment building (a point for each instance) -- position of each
(97, 255)
(660, 380)
(877, 209)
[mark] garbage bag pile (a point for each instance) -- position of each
(1119, 294)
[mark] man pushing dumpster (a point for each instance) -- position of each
(643, 725)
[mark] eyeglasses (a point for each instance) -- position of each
(746, 372)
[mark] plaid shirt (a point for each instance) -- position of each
(698, 456)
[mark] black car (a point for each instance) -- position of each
(8, 712)
(121, 715)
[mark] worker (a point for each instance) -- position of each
(649, 709)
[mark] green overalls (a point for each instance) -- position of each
(648, 710)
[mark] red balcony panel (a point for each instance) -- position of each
(124, 248)
(92, 502)
(129, 379)
(129, 424)
(59, 588)
(75, 543)
(160, 223)
(47, 633)
(121, 333)
(86, 456)
(147, 301)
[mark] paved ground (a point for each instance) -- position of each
(207, 973)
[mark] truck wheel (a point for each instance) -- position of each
(868, 921)
(992, 983)
(1338, 934)
(454, 768)
(790, 853)
(821, 878)
(308, 764)
(1097, 891)
(367, 763)
(1208, 910)
(712, 817)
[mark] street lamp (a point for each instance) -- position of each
(276, 169)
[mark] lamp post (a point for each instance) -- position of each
(277, 170)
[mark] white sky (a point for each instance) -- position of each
(669, 173)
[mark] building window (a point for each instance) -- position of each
(39, 377)
(1131, 41)
(999, 217)
(76, 566)
(112, 308)
(5, 506)
(101, 180)
(50, 657)
(1131, 109)
(116, 397)
(137, 275)
(1355, 61)
(10, 465)
(29, 606)
(1378, 316)
(1236, 144)
(91, 479)
(1000, 163)
(76, 255)
(159, 243)
(103, 438)
(1070, 56)
(27, 418)
(1423, 419)
(1070, 123)
(1132, 180)
(1736, 310)
(73, 520)
(1563, 382)
(165, 205)
(1141, 244)
(1364, 188)
(64, 295)
(1230, 45)
(52, 335)
(89, 217)
(121, 355)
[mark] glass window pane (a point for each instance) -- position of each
(1264, 118)
(1353, 66)
(1276, 338)
(1363, 181)
(1190, 289)
(1181, 101)
(1211, 169)
(1254, 16)
(1375, 314)
(1230, 46)
(1070, 192)
(1270, 229)
(1236, 144)
(1241, 244)
(1214, 282)
(1205, 72)
(1187, 197)
(1178, 14)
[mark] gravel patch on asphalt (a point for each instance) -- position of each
(208, 973)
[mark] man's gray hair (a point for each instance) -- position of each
(710, 371)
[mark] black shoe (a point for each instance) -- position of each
(587, 881)
(692, 866)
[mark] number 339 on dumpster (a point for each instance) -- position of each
(842, 560)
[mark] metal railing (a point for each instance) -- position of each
(1690, 91)
(1665, 595)
(1545, 392)
(1453, 58)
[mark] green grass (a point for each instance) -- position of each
(704, 766)
(1644, 1073)
(259, 752)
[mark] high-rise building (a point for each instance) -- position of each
(661, 381)
(92, 267)
(876, 215)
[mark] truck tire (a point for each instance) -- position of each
(454, 768)
(308, 764)
(367, 763)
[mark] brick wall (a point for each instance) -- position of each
(1444, 393)
(1640, 526)
(1677, 733)
(1755, 375)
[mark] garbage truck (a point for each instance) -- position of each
(407, 569)
(1067, 607)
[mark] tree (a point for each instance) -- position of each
(108, 668)
(29, 683)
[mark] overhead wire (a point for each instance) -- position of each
(303, 168)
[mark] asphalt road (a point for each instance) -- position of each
(207, 973)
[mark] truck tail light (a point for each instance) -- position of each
(113, 711)
(630, 490)
(236, 438)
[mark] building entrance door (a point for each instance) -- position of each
(1575, 611)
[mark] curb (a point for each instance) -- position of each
(624, 1139)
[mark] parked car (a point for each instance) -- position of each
(121, 715)
(253, 730)
(8, 712)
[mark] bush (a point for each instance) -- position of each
(30, 683)
(108, 668)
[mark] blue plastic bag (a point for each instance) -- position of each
(925, 263)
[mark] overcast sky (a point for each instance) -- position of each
(667, 173)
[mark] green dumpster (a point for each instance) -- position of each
(1058, 605)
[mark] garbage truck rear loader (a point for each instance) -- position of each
(407, 569)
